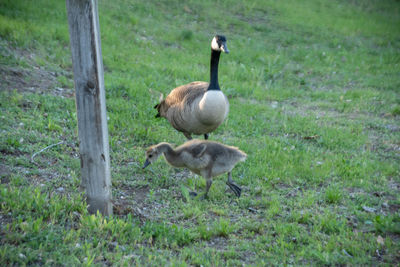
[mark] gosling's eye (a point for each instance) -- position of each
(150, 156)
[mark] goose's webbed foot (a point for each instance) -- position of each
(233, 186)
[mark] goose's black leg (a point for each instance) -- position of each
(205, 136)
(234, 187)
(188, 136)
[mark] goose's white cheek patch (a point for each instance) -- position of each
(214, 45)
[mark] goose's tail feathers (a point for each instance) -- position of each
(158, 106)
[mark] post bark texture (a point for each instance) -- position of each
(90, 103)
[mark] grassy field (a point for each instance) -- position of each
(314, 89)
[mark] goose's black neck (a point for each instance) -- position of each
(214, 70)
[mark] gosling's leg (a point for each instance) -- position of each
(205, 136)
(234, 187)
(208, 185)
(188, 136)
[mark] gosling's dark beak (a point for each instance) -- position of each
(224, 48)
(146, 163)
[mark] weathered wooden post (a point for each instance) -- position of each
(87, 63)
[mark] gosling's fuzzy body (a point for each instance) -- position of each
(205, 158)
(198, 107)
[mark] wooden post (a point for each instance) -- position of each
(87, 63)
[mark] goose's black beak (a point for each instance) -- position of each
(146, 163)
(224, 48)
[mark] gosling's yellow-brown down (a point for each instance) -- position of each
(205, 158)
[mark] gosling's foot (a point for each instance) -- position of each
(192, 194)
(195, 195)
(235, 188)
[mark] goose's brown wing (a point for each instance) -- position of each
(181, 96)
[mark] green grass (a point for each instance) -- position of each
(315, 103)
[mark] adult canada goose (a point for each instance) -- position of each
(205, 158)
(198, 107)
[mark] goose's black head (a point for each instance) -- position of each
(218, 43)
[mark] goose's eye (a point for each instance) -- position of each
(150, 156)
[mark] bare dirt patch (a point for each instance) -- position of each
(124, 200)
(32, 79)
(4, 174)
(36, 80)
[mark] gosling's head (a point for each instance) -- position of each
(152, 154)
(218, 43)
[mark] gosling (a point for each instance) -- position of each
(203, 157)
